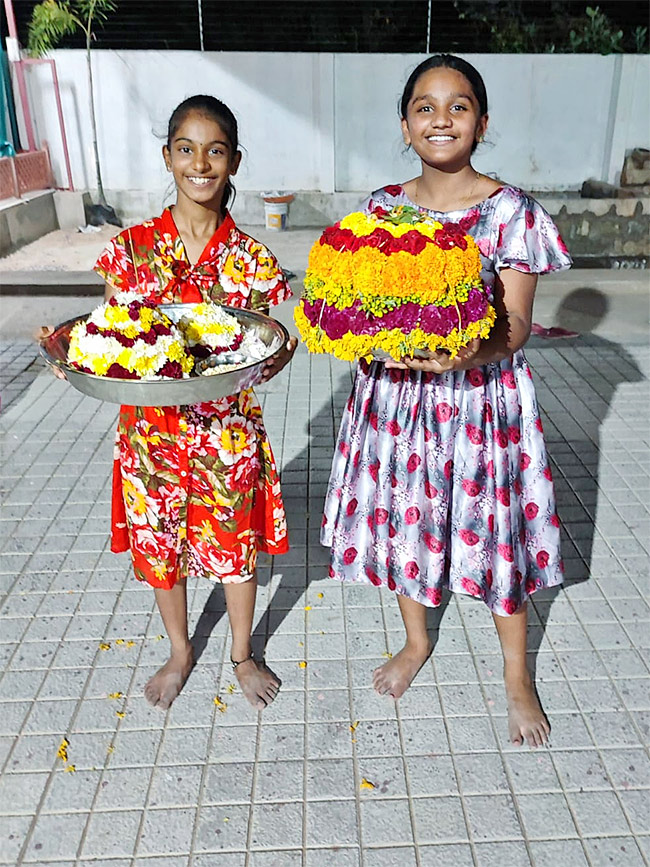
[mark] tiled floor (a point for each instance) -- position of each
(331, 775)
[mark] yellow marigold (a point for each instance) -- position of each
(361, 224)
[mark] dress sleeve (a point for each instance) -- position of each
(115, 264)
(269, 287)
(528, 238)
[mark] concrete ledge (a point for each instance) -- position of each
(51, 283)
(24, 220)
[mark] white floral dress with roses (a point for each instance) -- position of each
(444, 480)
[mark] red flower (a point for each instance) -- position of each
(509, 605)
(530, 219)
(433, 544)
(501, 438)
(412, 515)
(516, 486)
(413, 462)
(489, 469)
(349, 555)
(489, 578)
(491, 523)
(451, 235)
(434, 595)
(372, 575)
(531, 511)
(506, 552)
(381, 516)
(392, 190)
(391, 582)
(469, 537)
(331, 572)
(373, 420)
(448, 469)
(323, 523)
(474, 434)
(524, 461)
(393, 481)
(370, 523)
(530, 585)
(542, 559)
(428, 435)
(503, 496)
(475, 376)
(412, 242)
(508, 379)
(548, 473)
(351, 507)
(393, 428)
(344, 448)
(443, 412)
(471, 488)
(356, 459)
(430, 491)
(513, 434)
(488, 414)
(471, 587)
(411, 570)
(373, 469)
(539, 425)
(392, 532)
(555, 521)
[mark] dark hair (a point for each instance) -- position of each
(446, 61)
(218, 111)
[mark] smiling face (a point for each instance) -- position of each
(443, 119)
(201, 159)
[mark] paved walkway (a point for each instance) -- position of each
(331, 775)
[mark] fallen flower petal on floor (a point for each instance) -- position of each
(320, 595)
(116, 695)
(231, 688)
(120, 713)
(302, 664)
(62, 752)
(307, 607)
(387, 654)
(104, 646)
(354, 725)
(366, 784)
(222, 707)
(69, 769)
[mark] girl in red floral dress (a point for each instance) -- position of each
(195, 488)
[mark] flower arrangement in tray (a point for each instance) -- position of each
(395, 282)
(129, 338)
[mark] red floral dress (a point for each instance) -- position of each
(195, 488)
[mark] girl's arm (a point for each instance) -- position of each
(514, 292)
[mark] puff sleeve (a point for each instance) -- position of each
(269, 286)
(115, 264)
(528, 239)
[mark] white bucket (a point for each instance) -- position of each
(276, 215)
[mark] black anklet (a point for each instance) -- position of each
(239, 662)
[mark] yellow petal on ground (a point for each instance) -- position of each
(130, 643)
(110, 749)
(116, 695)
(320, 595)
(302, 664)
(119, 641)
(70, 769)
(159, 637)
(387, 654)
(222, 707)
(62, 752)
(104, 646)
(354, 725)
(231, 688)
(307, 607)
(120, 713)
(366, 784)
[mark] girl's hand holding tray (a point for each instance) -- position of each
(395, 285)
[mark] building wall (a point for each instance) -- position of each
(328, 122)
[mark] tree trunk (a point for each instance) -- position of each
(93, 122)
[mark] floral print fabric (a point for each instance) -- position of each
(443, 480)
(195, 488)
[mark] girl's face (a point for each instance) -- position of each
(201, 160)
(443, 119)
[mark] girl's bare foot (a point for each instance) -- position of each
(526, 719)
(161, 689)
(258, 683)
(395, 676)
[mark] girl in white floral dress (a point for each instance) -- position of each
(441, 477)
